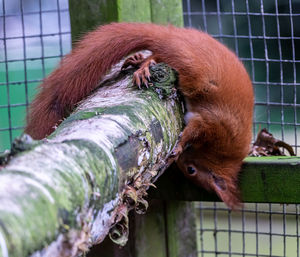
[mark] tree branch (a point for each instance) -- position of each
(63, 194)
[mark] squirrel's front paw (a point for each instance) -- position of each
(142, 75)
(135, 61)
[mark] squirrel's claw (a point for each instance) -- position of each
(135, 61)
(142, 75)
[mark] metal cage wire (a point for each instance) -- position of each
(262, 230)
(34, 35)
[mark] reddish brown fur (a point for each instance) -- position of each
(213, 81)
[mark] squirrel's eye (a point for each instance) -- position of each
(191, 170)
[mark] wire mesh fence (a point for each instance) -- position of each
(262, 230)
(34, 35)
(265, 36)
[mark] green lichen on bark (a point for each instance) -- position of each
(63, 194)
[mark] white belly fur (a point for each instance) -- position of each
(188, 116)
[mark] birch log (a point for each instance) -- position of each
(63, 194)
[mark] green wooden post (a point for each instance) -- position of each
(150, 231)
(87, 14)
(134, 11)
(181, 228)
(167, 12)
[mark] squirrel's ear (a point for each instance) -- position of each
(227, 190)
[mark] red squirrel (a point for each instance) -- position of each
(215, 85)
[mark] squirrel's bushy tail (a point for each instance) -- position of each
(80, 71)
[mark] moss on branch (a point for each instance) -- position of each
(63, 194)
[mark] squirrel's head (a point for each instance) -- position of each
(212, 172)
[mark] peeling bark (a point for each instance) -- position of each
(61, 195)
